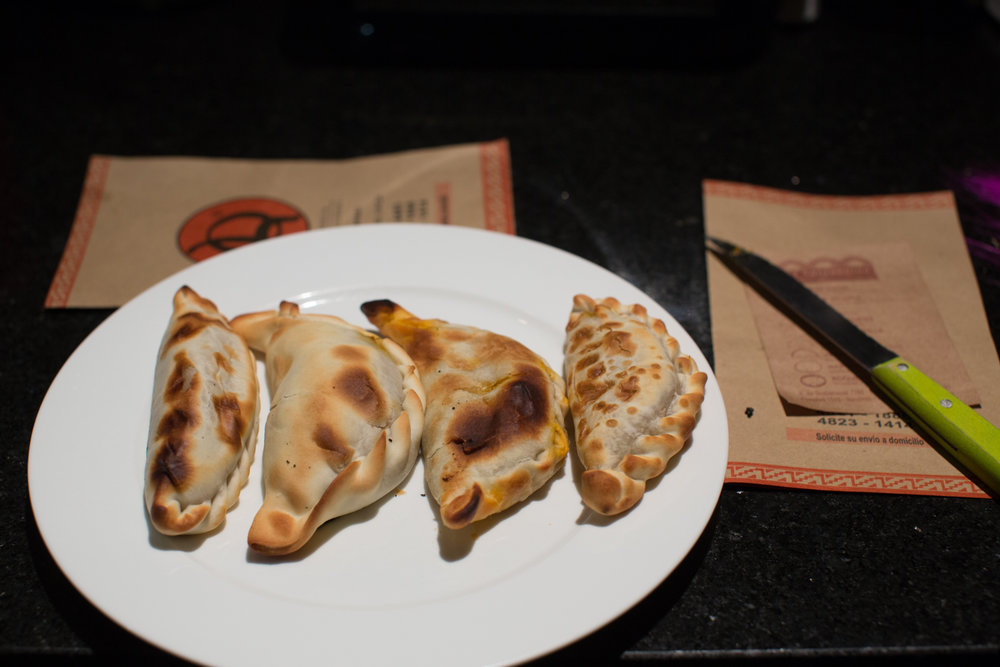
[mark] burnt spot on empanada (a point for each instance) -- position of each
(189, 325)
(618, 342)
(462, 510)
(328, 439)
(171, 464)
(174, 430)
(222, 361)
(379, 309)
(231, 421)
(183, 378)
(596, 370)
(580, 337)
(627, 388)
(588, 391)
(518, 409)
(361, 391)
(589, 360)
(420, 341)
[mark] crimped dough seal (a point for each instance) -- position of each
(634, 399)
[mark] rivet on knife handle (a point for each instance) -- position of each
(966, 434)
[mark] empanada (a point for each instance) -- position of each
(495, 429)
(347, 410)
(634, 399)
(203, 425)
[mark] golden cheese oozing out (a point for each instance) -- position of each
(347, 410)
(495, 421)
(203, 426)
(634, 399)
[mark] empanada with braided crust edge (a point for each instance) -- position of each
(203, 422)
(347, 412)
(634, 399)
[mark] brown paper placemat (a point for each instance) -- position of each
(897, 266)
(141, 219)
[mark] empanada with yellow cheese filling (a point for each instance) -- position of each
(495, 420)
(203, 423)
(633, 396)
(347, 410)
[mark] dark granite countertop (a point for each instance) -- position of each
(613, 121)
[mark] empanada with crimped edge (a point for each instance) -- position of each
(347, 411)
(495, 422)
(633, 396)
(203, 422)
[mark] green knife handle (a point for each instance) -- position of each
(966, 434)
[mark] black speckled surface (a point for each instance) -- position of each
(612, 125)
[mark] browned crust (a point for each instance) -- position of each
(610, 492)
(505, 412)
(519, 409)
(474, 504)
(380, 311)
(170, 467)
(598, 332)
(167, 515)
(344, 385)
(464, 509)
(274, 532)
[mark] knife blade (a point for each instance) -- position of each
(964, 433)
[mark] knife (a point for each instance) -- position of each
(964, 433)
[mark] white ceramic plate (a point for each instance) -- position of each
(388, 584)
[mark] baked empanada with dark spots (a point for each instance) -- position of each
(495, 422)
(203, 423)
(347, 411)
(634, 399)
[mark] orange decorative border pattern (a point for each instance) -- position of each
(901, 202)
(852, 480)
(79, 234)
(498, 198)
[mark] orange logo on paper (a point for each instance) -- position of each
(237, 222)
